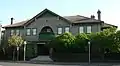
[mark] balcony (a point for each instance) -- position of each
(45, 36)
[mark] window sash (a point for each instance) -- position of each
(81, 29)
(34, 31)
(59, 30)
(28, 32)
(67, 29)
(89, 29)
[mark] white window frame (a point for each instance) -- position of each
(81, 29)
(60, 30)
(67, 29)
(34, 31)
(11, 32)
(89, 29)
(28, 31)
(17, 32)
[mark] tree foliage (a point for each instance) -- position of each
(62, 42)
(81, 40)
(15, 40)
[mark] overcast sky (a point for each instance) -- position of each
(25, 9)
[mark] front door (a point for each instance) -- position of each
(42, 49)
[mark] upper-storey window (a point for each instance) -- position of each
(67, 29)
(89, 29)
(12, 32)
(17, 32)
(59, 30)
(28, 31)
(81, 29)
(34, 31)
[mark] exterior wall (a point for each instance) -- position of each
(8, 30)
(53, 22)
(95, 28)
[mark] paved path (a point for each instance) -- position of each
(70, 64)
(57, 64)
(28, 64)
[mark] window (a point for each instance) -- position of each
(81, 30)
(48, 30)
(28, 31)
(88, 29)
(17, 32)
(34, 31)
(59, 30)
(12, 32)
(67, 29)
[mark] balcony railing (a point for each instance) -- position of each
(46, 36)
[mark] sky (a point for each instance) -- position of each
(25, 9)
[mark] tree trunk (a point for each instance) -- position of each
(17, 53)
(14, 54)
(3, 49)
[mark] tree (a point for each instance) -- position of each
(117, 41)
(62, 42)
(16, 42)
(105, 39)
(81, 41)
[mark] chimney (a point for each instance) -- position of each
(11, 20)
(92, 17)
(99, 14)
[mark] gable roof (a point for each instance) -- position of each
(41, 13)
(69, 19)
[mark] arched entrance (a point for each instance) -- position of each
(46, 34)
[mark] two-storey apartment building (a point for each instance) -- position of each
(47, 24)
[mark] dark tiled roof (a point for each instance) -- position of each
(108, 25)
(16, 24)
(80, 19)
(75, 18)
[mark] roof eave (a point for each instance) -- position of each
(13, 27)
